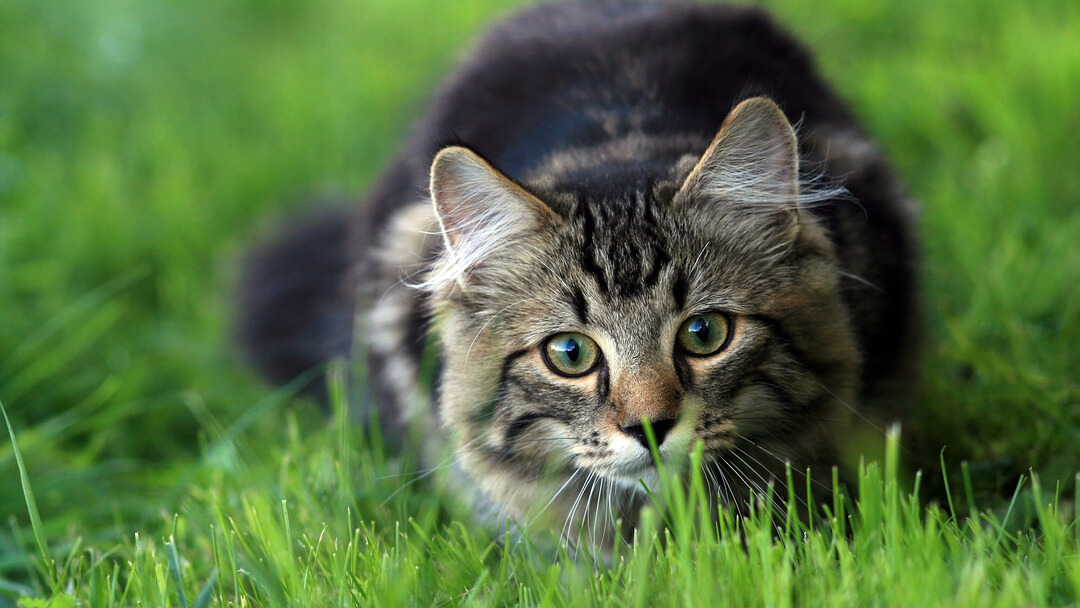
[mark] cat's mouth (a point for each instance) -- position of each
(629, 464)
(631, 473)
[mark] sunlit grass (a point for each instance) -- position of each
(321, 526)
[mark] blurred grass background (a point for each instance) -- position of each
(145, 143)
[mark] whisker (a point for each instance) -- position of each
(713, 489)
(798, 498)
(554, 496)
(765, 482)
(596, 514)
(698, 259)
(488, 322)
(858, 279)
(611, 512)
(565, 534)
(454, 459)
(852, 408)
(784, 461)
(720, 464)
(733, 500)
(762, 495)
(750, 484)
(739, 418)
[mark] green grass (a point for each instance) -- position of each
(145, 143)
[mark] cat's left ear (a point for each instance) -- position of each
(479, 209)
(751, 168)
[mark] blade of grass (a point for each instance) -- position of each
(174, 571)
(31, 504)
(207, 593)
(948, 492)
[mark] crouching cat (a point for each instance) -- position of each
(606, 218)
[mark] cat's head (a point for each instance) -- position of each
(707, 305)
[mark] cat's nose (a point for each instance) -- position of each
(660, 429)
(647, 392)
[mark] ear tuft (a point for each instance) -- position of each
(753, 160)
(479, 210)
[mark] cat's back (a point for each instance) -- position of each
(680, 66)
(577, 74)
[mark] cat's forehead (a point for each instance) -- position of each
(621, 262)
(637, 258)
(624, 243)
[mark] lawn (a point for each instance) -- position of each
(144, 144)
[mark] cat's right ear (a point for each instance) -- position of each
(479, 209)
(752, 168)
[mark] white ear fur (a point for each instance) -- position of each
(479, 210)
(753, 160)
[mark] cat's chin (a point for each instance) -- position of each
(639, 474)
(643, 480)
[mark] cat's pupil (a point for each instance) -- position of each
(700, 329)
(571, 349)
(571, 354)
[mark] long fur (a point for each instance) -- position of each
(601, 183)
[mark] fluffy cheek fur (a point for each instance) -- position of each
(791, 400)
(530, 439)
(484, 349)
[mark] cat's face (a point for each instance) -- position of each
(706, 306)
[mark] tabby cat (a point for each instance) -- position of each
(606, 218)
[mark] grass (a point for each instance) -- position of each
(330, 534)
(144, 144)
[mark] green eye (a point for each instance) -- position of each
(571, 354)
(704, 334)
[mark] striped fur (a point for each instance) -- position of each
(616, 171)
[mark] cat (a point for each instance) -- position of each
(606, 218)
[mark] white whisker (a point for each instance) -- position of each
(568, 481)
(452, 460)
(488, 322)
(784, 461)
(565, 534)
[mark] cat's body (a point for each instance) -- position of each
(600, 223)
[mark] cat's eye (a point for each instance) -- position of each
(571, 354)
(704, 334)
